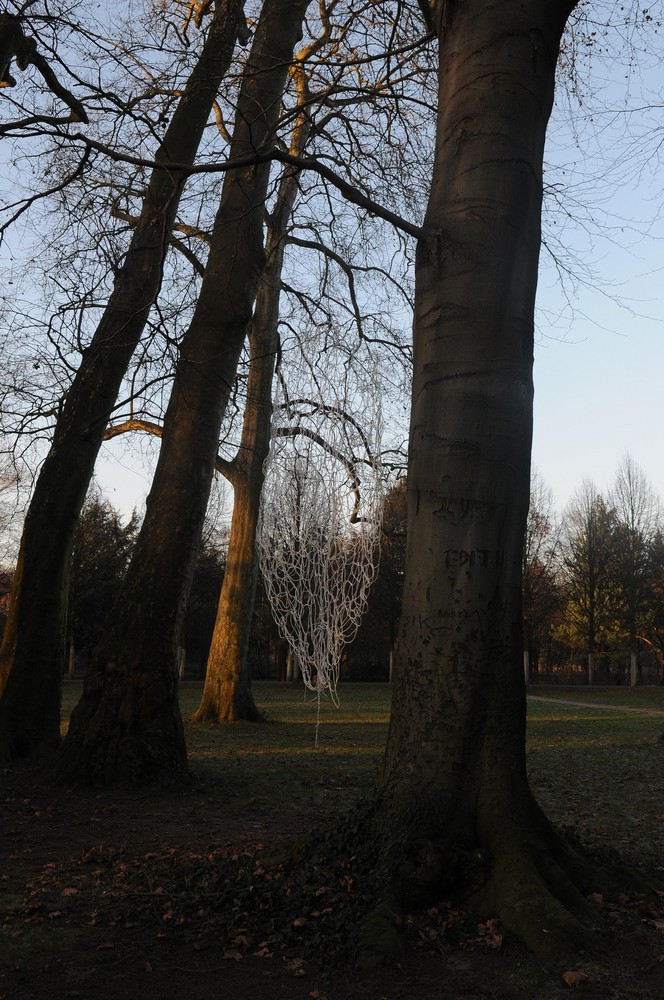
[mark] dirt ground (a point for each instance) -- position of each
(113, 895)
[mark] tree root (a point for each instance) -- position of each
(539, 886)
(379, 940)
(222, 708)
(537, 901)
(230, 715)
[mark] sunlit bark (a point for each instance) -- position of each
(127, 725)
(227, 693)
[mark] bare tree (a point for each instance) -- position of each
(125, 727)
(541, 565)
(638, 511)
(453, 792)
(31, 658)
(348, 301)
(590, 554)
(16, 46)
(227, 692)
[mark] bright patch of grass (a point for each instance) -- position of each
(639, 697)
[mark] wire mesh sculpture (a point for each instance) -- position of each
(319, 532)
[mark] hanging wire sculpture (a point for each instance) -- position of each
(319, 531)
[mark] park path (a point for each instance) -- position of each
(594, 704)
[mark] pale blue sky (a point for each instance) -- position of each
(599, 359)
(598, 397)
(599, 365)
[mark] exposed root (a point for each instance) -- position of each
(536, 901)
(231, 713)
(379, 940)
(227, 706)
(537, 885)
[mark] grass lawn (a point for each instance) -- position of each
(122, 893)
(597, 771)
(600, 771)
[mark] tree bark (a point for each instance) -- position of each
(127, 725)
(32, 653)
(227, 693)
(454, 788)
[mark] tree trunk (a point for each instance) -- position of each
(227, 693)
(32, 653)
(135, 665)
(454, 788)
(633, 669)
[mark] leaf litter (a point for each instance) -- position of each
(181, 885)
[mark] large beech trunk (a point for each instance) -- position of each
(32, 653)
(454, 778)
(127, 725)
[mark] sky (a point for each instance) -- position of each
(599, 355)
(599, 387)
(597, 397)
(599, 351)
(599, 358)
(599, 365)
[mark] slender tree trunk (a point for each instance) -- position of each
(32, 653)
(127, 725)
(454, 786)
(227, 693)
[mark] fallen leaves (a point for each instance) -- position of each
(233, 953)
(576, 978)
(489, 934)
(294, 965)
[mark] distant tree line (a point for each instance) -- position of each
(594, 583)
(103, 547)
(593, 589)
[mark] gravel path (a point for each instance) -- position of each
(593, 704)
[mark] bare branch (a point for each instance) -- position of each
(221, 465)
(349, 192)
(14, 45)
